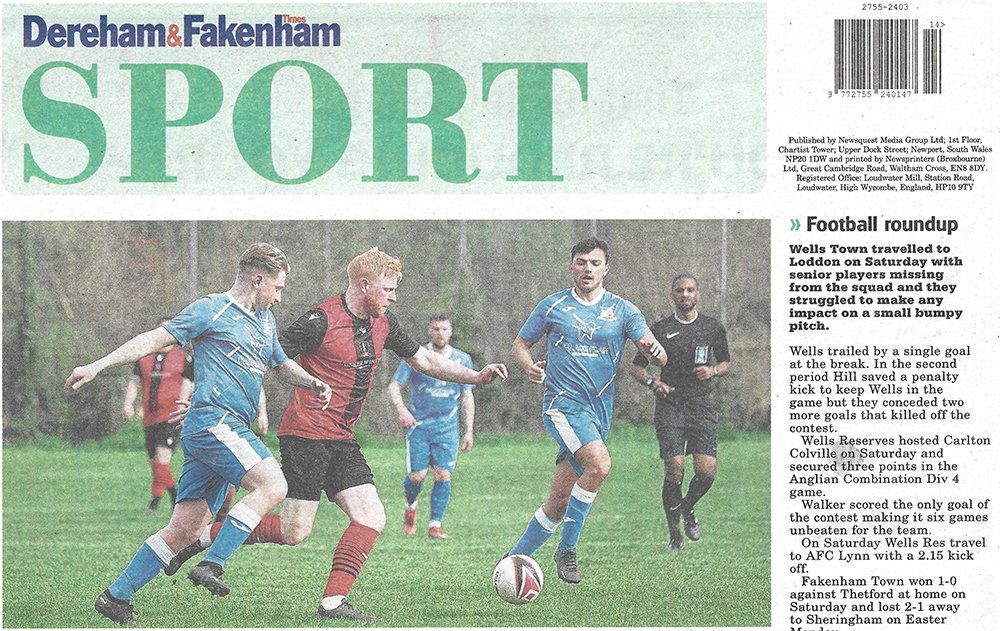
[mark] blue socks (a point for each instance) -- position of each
(238, 525)
(411, 490)
(152, 556)
(541, 526)
(580, 501)
(440, 494)
(539, 529)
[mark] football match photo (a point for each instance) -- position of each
(386, 424)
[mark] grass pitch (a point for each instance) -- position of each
(72, 518)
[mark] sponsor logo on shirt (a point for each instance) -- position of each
(363, 362)
(441, 392)
(585, 350)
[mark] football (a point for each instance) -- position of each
(517, 579)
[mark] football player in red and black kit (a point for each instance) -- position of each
(164, 378)
(341, 342)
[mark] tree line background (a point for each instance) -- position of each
(73, 291)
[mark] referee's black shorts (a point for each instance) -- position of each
(685, 426)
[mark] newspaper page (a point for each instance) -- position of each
(820, 174)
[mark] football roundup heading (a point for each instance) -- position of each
(394, 105)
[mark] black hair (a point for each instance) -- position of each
(684, 275)
(589, 245)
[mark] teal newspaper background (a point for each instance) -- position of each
(623, 98)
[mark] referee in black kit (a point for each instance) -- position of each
(685, 415)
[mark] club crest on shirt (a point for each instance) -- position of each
(608, 314)
(364, 349)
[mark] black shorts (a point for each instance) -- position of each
(685, 427)
(312, 466)
(161, 435)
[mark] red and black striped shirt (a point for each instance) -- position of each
(343, 350)
(161, 376)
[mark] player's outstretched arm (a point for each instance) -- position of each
(522, 357)
(434, 365)
(294, 375)
(649, 347)
(132, 350)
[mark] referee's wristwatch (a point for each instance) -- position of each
(650, 382)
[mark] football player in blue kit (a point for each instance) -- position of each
(431, 424)
(586, 327)
(235, 341)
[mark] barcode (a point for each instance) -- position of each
(932, 60)
(886, 55)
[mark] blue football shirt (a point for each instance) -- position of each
(585, 344)
(432, 399)
(233, 348)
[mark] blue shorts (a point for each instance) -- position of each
(216, 457)
(573, 425)
(432, 443)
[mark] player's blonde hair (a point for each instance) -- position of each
(263, 257)
(374, 264)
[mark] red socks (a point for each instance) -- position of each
(163, 479)
(267, 531)
(352, 551)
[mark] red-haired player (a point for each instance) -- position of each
(341, 341)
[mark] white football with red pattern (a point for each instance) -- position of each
(518, 579)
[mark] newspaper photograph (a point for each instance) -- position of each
(530, 314)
